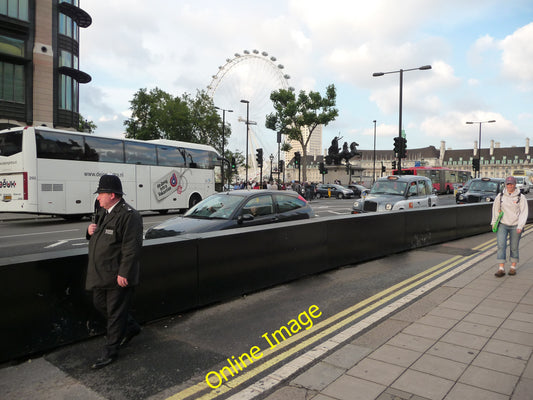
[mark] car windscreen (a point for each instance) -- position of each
(215, 207)
(389, 187)
(484, 186)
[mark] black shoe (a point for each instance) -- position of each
(103, 362)
(127, 338)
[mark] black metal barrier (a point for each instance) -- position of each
(43, 303)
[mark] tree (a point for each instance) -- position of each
(293, 116)
(239, 162)
(84, 125)
(205, 120)
(159, 115)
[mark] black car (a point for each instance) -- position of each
(482, 190)
(235, 209)
(462, 189)
(358, 190)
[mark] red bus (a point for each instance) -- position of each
(444, 180)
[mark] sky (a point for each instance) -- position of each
(480, 51)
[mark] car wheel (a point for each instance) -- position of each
(340, 196)
(318, 195)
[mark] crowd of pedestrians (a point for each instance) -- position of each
(307, 189)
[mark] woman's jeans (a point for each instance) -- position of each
(514, 240)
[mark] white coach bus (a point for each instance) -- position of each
(48, 171)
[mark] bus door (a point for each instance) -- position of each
(142, 187)
(79, 197)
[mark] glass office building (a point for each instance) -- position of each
(39, 62)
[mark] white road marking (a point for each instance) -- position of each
(38, 233)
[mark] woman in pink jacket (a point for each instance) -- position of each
(515, 210)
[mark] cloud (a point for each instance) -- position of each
(517, 57)
(476, 54)
(178, 46)
(452, 128)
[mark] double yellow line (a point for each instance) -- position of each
(336, 321)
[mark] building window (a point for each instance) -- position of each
(11, 46)
(73, 2)
(15, 9)
(68, 27)
(68, 93)
(11, 82)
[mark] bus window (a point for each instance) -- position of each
(10, 143)
(104, 150)
(140, 153)
(59, 145)
(170, 156)
(198, 158)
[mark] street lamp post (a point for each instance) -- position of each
(271, 161)
(223, 130)
(247, 133)
(374, 167)
(279, 143)
(401, 71)
(479, 142)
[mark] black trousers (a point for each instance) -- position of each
(114, 305)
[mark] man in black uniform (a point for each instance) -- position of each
(115, 243)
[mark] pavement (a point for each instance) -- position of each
(469, 337)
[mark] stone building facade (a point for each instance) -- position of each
(496, 161)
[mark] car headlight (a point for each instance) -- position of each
(388, 206)
(488, 199)
(356, 205)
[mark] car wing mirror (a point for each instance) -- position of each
(244, 218)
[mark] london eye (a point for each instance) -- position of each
(250, 76)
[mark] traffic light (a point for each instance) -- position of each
(397, 145)
(475, 164)
(281, 164)
(322, 168)
(297, 159)
(259, 158)
(403, 147)
(394, 164)
(233, 165)
(383, 168)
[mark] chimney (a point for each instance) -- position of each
(442, 151)
(527, 146)
(492, 147)
(475, 148)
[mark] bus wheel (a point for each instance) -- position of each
(195, 199)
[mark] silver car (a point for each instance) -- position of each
(397, 192)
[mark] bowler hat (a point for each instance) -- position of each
(109, 184)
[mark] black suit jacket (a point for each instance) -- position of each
(115, 248)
